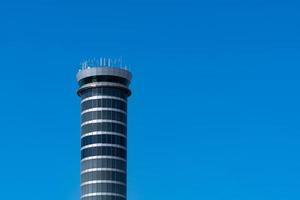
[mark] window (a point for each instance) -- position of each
(109, 91)
(103, 188)
(105, 151)
(104, 103)
(104, 126)
(104, 175)
(107, 78)
(105, 138)
(104, 163)
(104, 114)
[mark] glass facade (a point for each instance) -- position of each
(104, 103)
(104, 114)
(103, 163)
(103, 143)
(104, 197)
(104, 91)
(103, 138)
(113, 79)
(104, 175)
(104, 127)
(104, 188)
(103, 151)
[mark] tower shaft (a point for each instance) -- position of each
(103, 92)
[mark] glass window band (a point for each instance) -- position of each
(104, 114)
(104, 175)
(104, 103)
(105, 138)
(109, 91)
(103, 78)
(103, 151)
(105, 127)
(103, 197)
(103, 163)
(103, 188)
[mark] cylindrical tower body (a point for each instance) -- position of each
(103, 92)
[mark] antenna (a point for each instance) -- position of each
(103, 62)
(115, 62)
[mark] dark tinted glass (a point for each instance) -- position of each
(103, 151)
(105, 138)
(104, 103)
(104, 114)
(114, 79)
(104, 126)
(109, 91)
(103, 175)
(103, 197)
(104, 163)
(103, 188)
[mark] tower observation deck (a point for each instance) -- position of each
(103, 92)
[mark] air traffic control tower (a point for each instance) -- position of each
(103, 91)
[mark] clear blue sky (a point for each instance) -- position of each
(214, 113)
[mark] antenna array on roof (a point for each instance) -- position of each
(103, 62)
